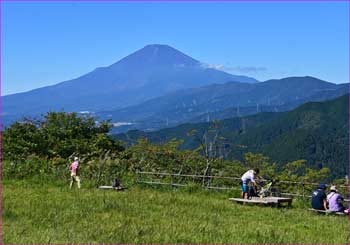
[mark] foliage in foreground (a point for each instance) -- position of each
(44, 148)
(51, 213)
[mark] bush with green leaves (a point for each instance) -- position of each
(46, 146)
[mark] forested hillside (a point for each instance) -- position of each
(220, 101)
(316, 131)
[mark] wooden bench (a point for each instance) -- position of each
(265, 200)
(107, 187)
(326, 212)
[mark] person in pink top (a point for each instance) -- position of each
(334, 200)
(74, 173)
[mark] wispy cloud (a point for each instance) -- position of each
(238, 69)
(216, 66)
(247, 69)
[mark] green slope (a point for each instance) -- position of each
(316, 131)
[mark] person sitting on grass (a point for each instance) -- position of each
(334, 200)
(74, 173)
(319, 198)
(247, 177)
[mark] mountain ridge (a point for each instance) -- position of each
(187, 105)
(142, 75)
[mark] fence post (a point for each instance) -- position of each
(209, 182)
(347, 188)
(303, 188)
(137, 176)
(172, 180)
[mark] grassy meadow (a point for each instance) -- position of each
(51, 213)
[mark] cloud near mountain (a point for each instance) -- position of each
(238, 69)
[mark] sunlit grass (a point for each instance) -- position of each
(34, 213)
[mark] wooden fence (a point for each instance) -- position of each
(304, 189)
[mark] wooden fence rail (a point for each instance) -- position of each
(210, 179)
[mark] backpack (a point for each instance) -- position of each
(252, 192)
(116, 183)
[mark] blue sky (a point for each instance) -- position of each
(44, 43)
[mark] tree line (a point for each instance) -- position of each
(34, 148)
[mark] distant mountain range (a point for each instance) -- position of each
(148, 73)
(219, 101)
(159, 86)
(316, 131)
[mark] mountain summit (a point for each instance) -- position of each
(147, 73)
(158, 55)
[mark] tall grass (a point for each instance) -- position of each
(51, 213)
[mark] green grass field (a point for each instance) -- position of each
(34, 213)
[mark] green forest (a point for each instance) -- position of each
(44, 148)
(316, 132)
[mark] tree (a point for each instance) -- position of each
(56, 138)
(262, 162)
(21, 140)
(210, 143)
(67, 133)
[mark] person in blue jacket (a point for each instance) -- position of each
(319, 198)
